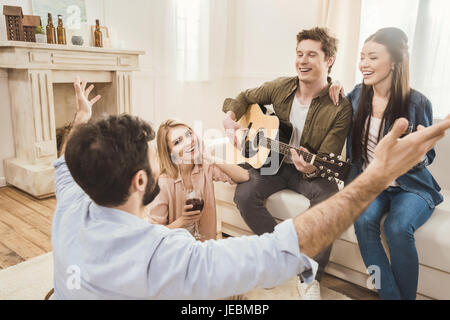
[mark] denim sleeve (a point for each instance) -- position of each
(353, 95)
(350, 95)
(424, 117)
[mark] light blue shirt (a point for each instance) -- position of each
(104, 253)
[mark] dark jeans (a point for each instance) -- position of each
(250, 196)
(407, 213)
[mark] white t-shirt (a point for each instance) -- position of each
(297, 118)
(372, 142)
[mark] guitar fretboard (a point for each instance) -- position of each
(284, 148)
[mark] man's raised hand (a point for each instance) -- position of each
(84, 105)
(394, 156)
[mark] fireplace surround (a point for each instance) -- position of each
(40, 78)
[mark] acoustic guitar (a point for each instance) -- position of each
(264, 144)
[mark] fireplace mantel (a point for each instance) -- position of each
(30, 55)
(34, 72)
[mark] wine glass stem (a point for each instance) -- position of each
(196, 233)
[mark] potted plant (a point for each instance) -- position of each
(40, 35)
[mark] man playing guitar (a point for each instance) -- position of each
(318, 125)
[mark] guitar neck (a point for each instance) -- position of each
(284, 148)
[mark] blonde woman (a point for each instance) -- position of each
(184, 168)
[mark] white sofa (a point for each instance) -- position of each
(432, 239)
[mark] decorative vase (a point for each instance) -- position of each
(77, 40)
(41, 38)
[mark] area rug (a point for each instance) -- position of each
(288, 291)
(32, 279)
(29, 280)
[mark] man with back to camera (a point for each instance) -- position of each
(318, 124)
(108, 179)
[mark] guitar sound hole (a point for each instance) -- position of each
(256, 141)
(247, 149)
(258, 138)
(250, 150)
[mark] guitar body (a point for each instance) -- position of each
(265, 142)
(251, 151)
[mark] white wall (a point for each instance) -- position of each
(260, 46)
(26, 9)
(265, 35)
(440, 168)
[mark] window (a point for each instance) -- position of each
(428, 30)
(192, 39)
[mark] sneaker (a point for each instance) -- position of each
(309, 291)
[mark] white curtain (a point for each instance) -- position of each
(191, 34)
(342, 17)
(428, 29)
(430, 54)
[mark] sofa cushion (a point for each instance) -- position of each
(432, 239)
(282, 205)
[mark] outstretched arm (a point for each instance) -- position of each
(84, 107)
(319, 226)
(63, 179)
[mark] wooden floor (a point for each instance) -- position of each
(25, 226)
(25, 232)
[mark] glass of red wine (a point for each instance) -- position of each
(195, 198)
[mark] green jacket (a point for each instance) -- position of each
(326, 125)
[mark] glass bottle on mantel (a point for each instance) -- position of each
(50, 29)
(98, 41)
(61, 31)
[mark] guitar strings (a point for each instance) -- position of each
(285, 148)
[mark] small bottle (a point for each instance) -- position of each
(98, 41)
(50, 29)
(61, 31)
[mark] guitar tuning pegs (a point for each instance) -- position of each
(321, 168)
(323, 175)
(336, 174)
(330, 178)
(332, 161)
(340, 164)
(328, 171)
(332, 155)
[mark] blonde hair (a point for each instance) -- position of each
(164, 155)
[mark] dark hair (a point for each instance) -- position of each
(396, 43)
(329, 43)
(103, 156)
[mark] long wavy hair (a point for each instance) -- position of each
(166, 164)
(396, 43)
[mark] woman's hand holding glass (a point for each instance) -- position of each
(188, 217)
(195, 202)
